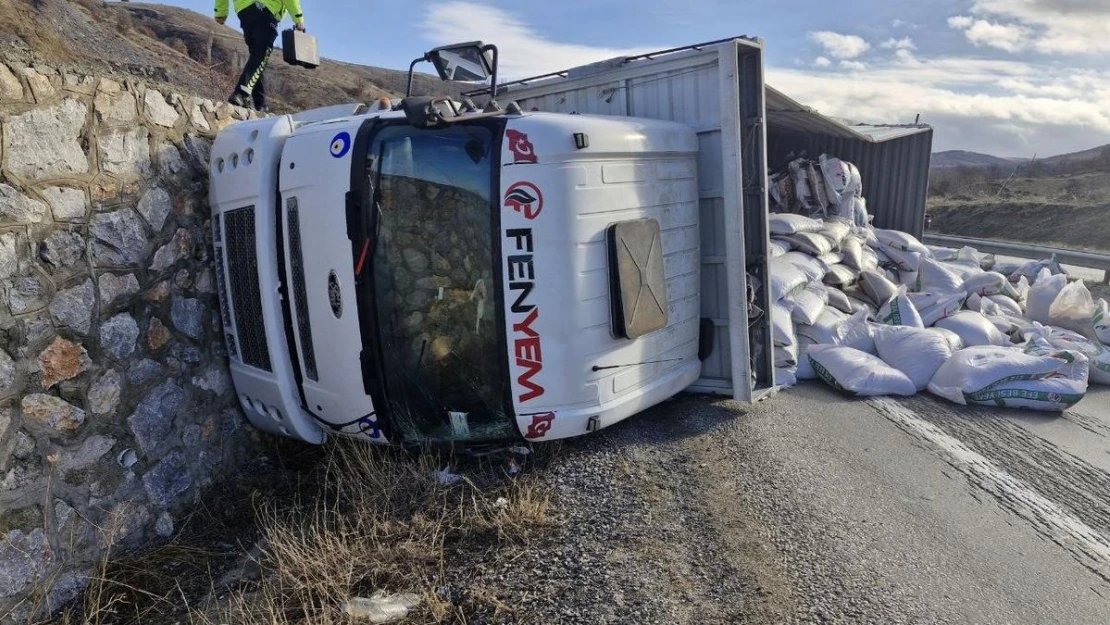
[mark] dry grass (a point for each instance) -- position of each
(376, 520)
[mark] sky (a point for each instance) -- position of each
(1005, 77)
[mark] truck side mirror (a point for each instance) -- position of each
(471, 61)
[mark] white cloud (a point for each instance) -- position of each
(523, 50)
(905, 43)
(960, 21)
(840, 46)
(1006, 107)
(904, 55)
(1078, 27)
(1002, 107)
(1008, 37)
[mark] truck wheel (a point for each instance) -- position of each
(707, 335)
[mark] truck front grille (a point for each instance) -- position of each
(246, 300)
(300, 291)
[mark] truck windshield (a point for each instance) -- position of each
(434, 283)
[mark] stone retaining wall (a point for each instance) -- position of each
(116, 408)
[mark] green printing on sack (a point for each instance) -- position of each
(825, 375)
(999, 396)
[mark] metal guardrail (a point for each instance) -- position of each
(1092, 260)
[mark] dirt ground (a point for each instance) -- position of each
(1059, 211)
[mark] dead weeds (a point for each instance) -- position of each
(370, 520)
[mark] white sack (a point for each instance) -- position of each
(785, 224)
(1100, 321)
(804, 370)
(876, 286)
(1074, 309)
(782, 328)
(825, 330)
(841, 276)
(898, 311)
(936, 277)
(902, 260)
(852, 250)
(962, 269)
(812, 243)
(1007, 268)
(809, 303)
(1005, 377)
(778, 247)
(870, 258)
(786, 355)
(786, 278)
(1006, 304)
(836, 230)
(908, 278)
(832, 258)
(813, 268)
(1032, 270)
(1097, 354)
(859, 305)
(974, 329)
(898, 240)
(953, 339)
(857, 333)
(941, 253)
(916, 352)
(858, 373)
(944, 308)
(860, 217)
(868, 235)
(990, 283)
(839, 181)
(785, 377)
(1042, 294)
(839, 301)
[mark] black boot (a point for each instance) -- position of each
(240, 99)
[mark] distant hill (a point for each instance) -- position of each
(184, 49)
(964, 158)
(1075, 158)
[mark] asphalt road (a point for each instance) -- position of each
(921, 511)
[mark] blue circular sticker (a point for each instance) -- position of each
(341, 144)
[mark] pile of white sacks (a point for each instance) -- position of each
(876, 312)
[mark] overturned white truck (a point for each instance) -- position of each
(440, 273)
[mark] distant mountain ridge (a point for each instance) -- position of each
(964, 158)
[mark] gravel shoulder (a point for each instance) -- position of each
(652, 530)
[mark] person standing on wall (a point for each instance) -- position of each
(259, 20)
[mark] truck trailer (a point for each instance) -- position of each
(443, 273)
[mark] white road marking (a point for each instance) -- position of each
(1085, 543)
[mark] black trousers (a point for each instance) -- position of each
(260, 30)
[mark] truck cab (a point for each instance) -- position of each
(472, 277)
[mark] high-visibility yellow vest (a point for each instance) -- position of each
(278, 7)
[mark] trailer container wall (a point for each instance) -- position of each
(894, 165)
(742, 124)
(717, 90)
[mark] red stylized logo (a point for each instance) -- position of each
(541, 425)
(522, 149)
(525, 198)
